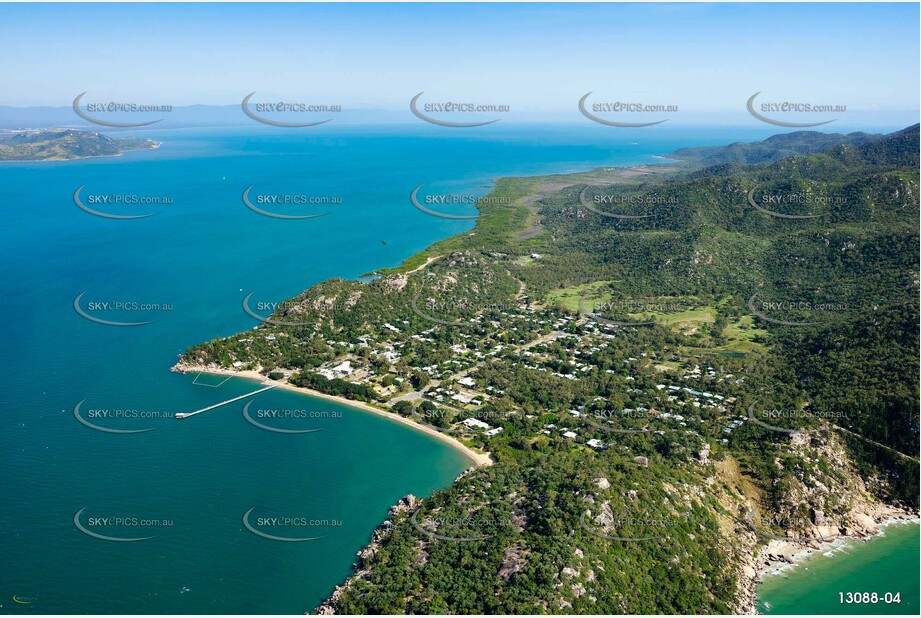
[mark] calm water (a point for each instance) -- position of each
(187, 484)
(884, 564)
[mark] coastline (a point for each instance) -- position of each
(765, 560)
(780, 557)
(154, 145)
(329, 605)
(476, 458)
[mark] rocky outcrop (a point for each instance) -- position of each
(512, 561)
(818, 509)
(406, 504)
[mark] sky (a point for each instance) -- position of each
(534, 57)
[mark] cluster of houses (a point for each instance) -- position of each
(473, 423)
(581, 340)
(737, 422)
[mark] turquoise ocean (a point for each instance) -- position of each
(887, 565)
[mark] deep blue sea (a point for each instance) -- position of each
(188, 484)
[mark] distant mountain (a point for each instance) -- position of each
(772, 149)
(899, 149)
(184, 117)
(64, 144)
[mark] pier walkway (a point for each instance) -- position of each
(224, 403)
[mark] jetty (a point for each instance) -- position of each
(224, 403)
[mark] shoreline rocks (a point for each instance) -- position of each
(330, 605)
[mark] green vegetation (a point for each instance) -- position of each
(62, 144)
(726, 357)
(772, 149)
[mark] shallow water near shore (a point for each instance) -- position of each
(885, 564)
(188, 484)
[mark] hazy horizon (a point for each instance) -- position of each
(377, 57)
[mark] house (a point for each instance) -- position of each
(343, 368)
(493, 432)
(474, 423)
(467, 381)
(570, 434)
(594, 443)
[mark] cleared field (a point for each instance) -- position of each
(569, 297)
(740, 338)
(744, 330)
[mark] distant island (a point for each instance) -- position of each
(65, 144)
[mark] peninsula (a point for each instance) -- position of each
(683, 374)
(65, 144)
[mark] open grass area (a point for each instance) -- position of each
(684, 319)
(569, 297)
(740, 336)
(744, 329)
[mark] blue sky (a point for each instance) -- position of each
(535, 57)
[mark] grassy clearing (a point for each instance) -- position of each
(569, 297)
(744, 330)
(684, 319)
(740, 339)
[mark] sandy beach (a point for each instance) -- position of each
(478, 459)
